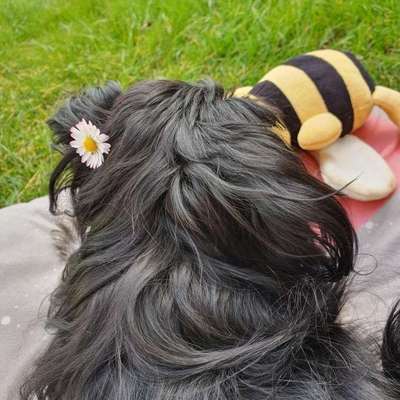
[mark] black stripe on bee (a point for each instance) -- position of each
(331, 86)
(272, 94)
(367, 77)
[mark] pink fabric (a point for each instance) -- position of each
(383, 136)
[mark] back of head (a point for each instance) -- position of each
(212, 266)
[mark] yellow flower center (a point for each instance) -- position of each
(89, 144)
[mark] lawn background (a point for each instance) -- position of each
(50, 49)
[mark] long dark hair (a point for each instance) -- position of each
(212, 265)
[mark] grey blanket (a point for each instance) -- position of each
(30, 268)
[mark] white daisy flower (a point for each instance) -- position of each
(89, 143)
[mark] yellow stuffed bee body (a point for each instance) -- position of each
(323, 95)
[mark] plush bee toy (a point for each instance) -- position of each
(323, 96)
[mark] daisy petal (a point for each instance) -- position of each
(106, 148)
(81, 125)
(75, 144)
(85, 157)
(75, 133)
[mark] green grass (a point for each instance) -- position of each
(50, 49)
